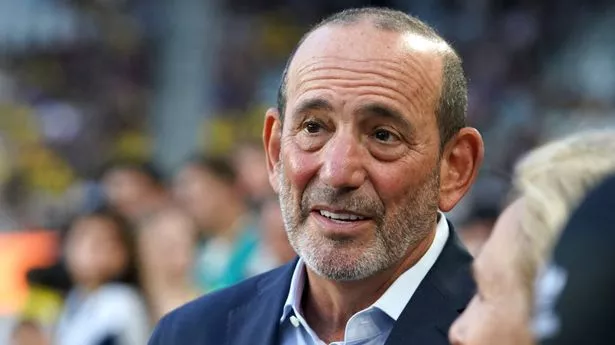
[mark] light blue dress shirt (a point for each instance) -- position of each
(372, 325)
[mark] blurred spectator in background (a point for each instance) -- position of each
(249, 161)
(167, 249)
(101, 307)
(207, 188)
(274, 232)
(134, 189)
(551, 181)
(477, 227)
(89, 76)
(274, 248)
(28, 332)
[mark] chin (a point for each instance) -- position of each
(343, 264)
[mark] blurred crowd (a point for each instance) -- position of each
(153, 245)
(76, 144)
(536, 71)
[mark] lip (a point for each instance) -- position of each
(340, 229)
(319, 208)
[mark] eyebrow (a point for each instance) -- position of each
(381, 110)
(314, 104)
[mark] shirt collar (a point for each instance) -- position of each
(293, 301)
(397, 296)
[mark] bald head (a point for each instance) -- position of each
(416, 37)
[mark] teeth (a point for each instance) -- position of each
(340, 216)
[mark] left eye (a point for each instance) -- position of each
(385, 135)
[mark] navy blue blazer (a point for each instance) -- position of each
(249, 312)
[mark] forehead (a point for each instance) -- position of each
(93, 227)
(406, 62)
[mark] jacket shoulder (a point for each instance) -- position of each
(205, 318)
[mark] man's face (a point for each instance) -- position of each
(500, 311)
(358, 169)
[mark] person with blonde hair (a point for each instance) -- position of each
(550, 181)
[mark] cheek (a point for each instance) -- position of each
(394, 181)
(299, 166)
(497, 325)
(516, 319)
(476, 326)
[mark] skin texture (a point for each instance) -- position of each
(360, 137)
(500, 311)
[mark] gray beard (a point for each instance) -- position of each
(397, 232)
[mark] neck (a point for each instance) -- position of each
(168, 288)
(176, 282)
(88, 287)
(329, 304)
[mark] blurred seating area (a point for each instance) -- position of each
(86, 205)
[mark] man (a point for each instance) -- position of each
(367, 143)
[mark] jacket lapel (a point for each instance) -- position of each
(438, 301)
(257, 321)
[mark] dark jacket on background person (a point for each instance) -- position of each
(584, 311)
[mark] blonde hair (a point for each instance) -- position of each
(552, 180)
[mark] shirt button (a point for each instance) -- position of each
(294, 321)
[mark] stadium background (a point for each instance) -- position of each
(83, 82)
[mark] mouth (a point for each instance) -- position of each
(341, 216)
(339, 223)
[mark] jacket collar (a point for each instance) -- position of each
(257, 320)
(441, 297)
(438, 301)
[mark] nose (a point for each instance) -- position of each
(456, 333)
(343, 164)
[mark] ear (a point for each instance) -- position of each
(272, 133)
(461, 160)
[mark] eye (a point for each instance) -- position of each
(385, 136)
(312, 127)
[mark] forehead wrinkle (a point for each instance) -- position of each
(380, 91)
(386, 84)
(415, 71)
(415, 79)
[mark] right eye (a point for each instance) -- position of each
(313, 134)
(312, 127)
